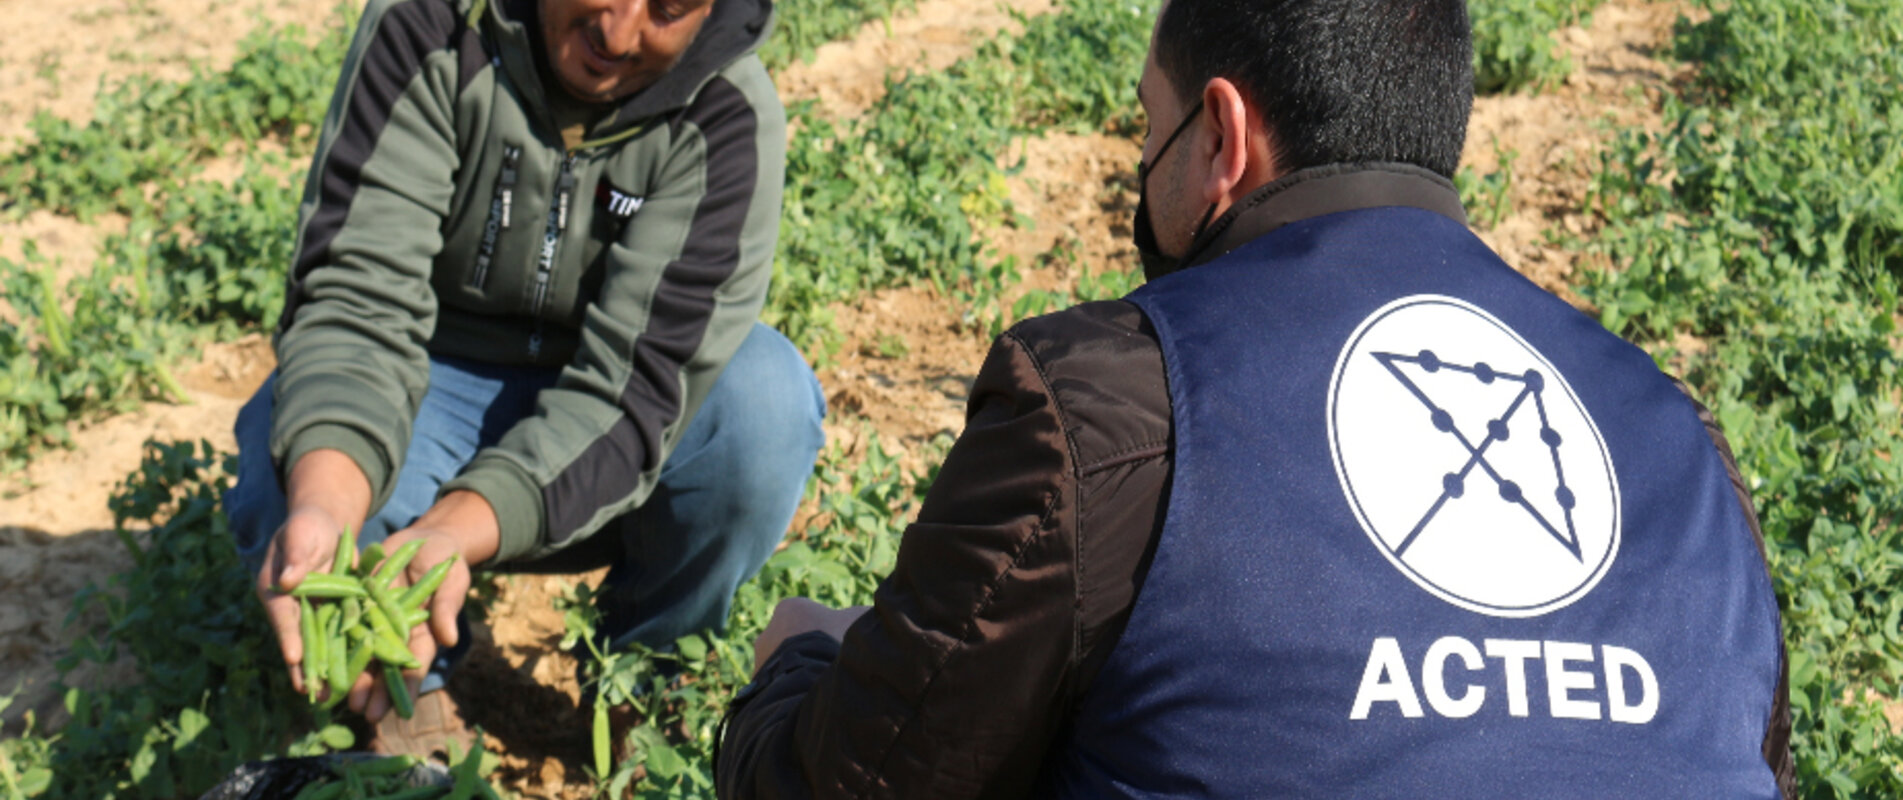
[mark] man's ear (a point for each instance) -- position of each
(1240, 155)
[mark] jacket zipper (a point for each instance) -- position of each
(551, 240)
(500, 208)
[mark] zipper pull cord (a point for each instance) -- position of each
(511, 159)
(565, 192)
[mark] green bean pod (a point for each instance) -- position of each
(326, 621)
(326, 586)
(383, 629)
(416, 595)
(399, 691)
(393, 654)
(329, 790)
(307, 626)
(391, 611)
(326, 618)
(381, 624)
(466, 773)
(372, 558)
(346, 548)
(339, 668)
(393, 566)
(387, 644)
(361, 652)
(604, 748)
(353, 612)
(336, 699)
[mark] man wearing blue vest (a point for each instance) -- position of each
(1338, 505)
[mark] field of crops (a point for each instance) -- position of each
(1711, 188)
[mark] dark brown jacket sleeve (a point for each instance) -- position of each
(1007, 592)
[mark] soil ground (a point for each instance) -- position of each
(908, 358)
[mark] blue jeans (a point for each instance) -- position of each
(724, 499)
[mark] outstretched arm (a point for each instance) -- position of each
(351, 364)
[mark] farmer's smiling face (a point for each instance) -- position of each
(603, 50)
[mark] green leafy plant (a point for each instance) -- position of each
(1513, 42)
(97, 344)
(1765, 223)
(1488, 197)
(680, 696)
(210, 691)
(801, 26)
(205, 260)
(225, 249)
(23, 760)
(891, 198)
(146, 131)
(887, 345)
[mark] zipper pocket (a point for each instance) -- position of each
(500, 208)
(551, 242)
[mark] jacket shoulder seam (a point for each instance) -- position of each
(1137, 452)
(990, 590)
(969, 628)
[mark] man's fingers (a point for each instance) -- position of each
(307, 543)
(379, 703)
(770, 638)
(359, 700)
(282, 611)
(288, 568)
(423, 645)
(796, 615)
(447, 603)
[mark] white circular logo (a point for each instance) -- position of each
(1469, 461)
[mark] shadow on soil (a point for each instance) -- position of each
(530, 720)
(40, 576)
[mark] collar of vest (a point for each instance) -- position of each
(1315, 191)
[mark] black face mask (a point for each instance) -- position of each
(1155, 263)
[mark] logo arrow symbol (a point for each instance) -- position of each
(1454, 484)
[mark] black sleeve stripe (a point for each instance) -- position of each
(472, 57)
(682, 307)
(406, 35)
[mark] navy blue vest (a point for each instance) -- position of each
(1431, 533)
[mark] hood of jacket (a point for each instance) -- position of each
(734, 29)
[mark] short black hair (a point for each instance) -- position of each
(1337, 81)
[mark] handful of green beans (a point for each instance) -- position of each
(349, 617)
(384, 779)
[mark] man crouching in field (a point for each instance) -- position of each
(522, 324)
(1338, 505)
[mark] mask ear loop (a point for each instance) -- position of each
(1196, 243)
(1202, 225)
(1143, 177)
(1146, 238)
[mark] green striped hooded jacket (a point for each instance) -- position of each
(445, 215)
